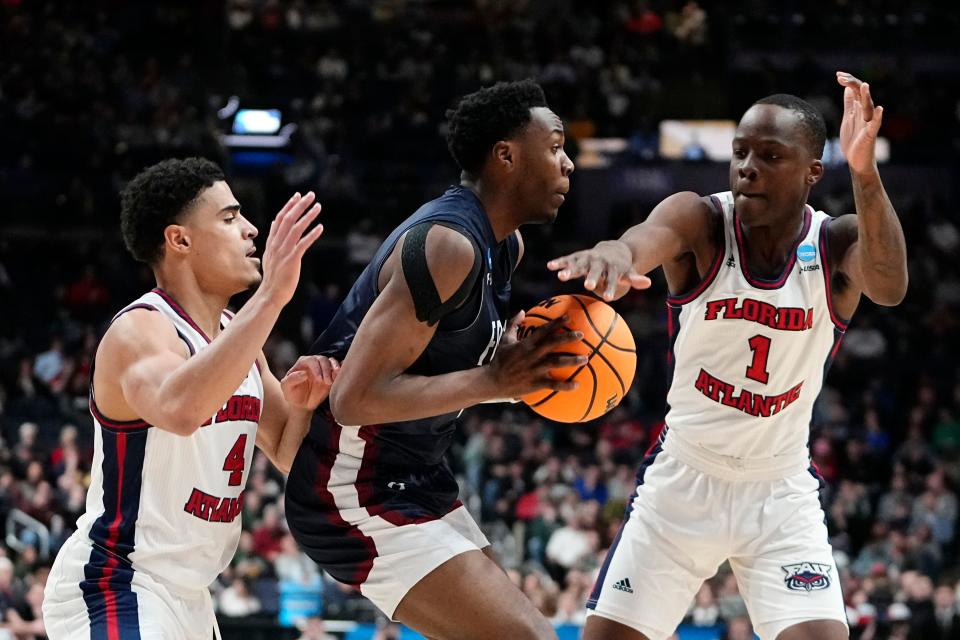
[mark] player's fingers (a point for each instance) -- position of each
(638, 281)
(307, 241)
(515, 322)
(561, 385)
(610, 290)
(295, 213)
(849, 100)
(286, 207)
(554, 340)
(867, 100)
(544, 331)
(561, 360)
(573, 266)
(293, 380)
(876, 122)
(326, 370)
(558, 263)
(593, 275)
(296, 229)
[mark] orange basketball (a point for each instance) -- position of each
(607, 375)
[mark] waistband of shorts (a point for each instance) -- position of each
(732, 468)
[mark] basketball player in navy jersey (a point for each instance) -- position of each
(422, 335)
(761, 290)
(179, 395)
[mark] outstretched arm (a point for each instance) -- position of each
(875, 259)
(679, 225)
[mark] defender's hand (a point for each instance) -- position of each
(286, 244)
(308, 382)
(607, 269)
(860, 125)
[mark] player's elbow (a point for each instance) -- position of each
(346, 404)
(182, 419)
(179, 425)
(890, 293)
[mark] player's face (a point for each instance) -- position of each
(221, 242)
(772, 168)
(545, 168)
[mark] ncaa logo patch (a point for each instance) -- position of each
(807, 576)
(807, 252)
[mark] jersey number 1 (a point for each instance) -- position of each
(235, 461)
(760, 345)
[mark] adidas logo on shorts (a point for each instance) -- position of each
(623, 585)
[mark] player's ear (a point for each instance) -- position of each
(503, 155)
(815, 173)
(176, 239)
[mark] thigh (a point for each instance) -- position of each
(811, 630)
(669, 544)
(470, 598)
(785, 569)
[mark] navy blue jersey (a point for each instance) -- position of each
(411, 454)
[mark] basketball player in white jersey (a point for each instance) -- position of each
(179, 395)
(761, 290)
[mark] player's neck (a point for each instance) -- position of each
(769, 246)
(496, 204)
(203, 307)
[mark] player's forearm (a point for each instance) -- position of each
(291, 437)
(200, 387)
(650, 246)
(880, 241)
(409, 397)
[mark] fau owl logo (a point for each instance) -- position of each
(807, 576)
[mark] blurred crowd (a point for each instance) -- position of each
(89, 95)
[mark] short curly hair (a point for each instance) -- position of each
(156, 198)
(812, 121)
(487, 116)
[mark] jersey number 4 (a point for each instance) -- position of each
(760, 345)
(235, 461)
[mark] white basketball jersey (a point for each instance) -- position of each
(165, 504)
(749, 355)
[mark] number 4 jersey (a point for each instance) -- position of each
(749, 355)
(164, 504)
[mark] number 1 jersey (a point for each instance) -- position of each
(749, 355)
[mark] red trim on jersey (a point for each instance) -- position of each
(138, 305)
(701, 286)
(110, 599)
(180, 312)
(122, 426)
(761, 283)
(824, 247)
(333, 511)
